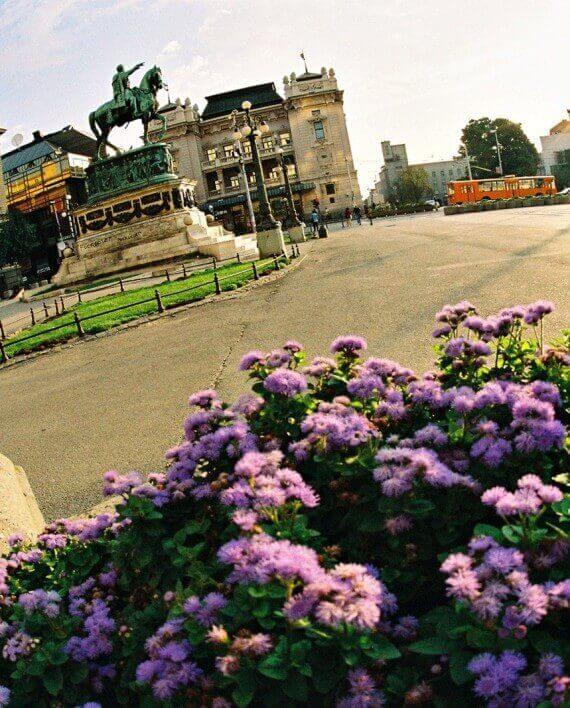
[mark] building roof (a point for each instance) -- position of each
(68, 139)
(308, 76)
(221, 104)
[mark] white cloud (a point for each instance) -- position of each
(172, 47)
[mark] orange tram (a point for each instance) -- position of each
(477, 190)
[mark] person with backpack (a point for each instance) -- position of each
(357, 214)
(315, 223)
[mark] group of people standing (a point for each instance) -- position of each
(355, 214)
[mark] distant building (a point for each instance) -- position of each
(396, 161)
(308, 123)
(555, 158)
(43, 179)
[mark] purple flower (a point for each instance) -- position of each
(292, 346)
(285, 383)
(4, 696)
(204, 399)
(251, 359)
(320, 366)
(348, 345)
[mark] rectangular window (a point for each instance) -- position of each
(451, 173)
(284, 139)
(525, 184)
(291, 170)
(319, 130)
(246, 147)
(267, 143)
(330, 188)
(331, 200)
(251, 178)
(234, 181)
(273, 173)
(228, 150)
(211, 154)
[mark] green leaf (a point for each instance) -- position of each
(299, 651)
(487, 530)
(296, 688)
(431, 646)
(242, 696)
(458, 667)
(279, 673)
(511, 534)
(382, 648)
(53, 681)
(481, 639)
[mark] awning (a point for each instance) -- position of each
(271, 192)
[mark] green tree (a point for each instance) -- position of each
(518, 155)
(412, 186)
(18, 236)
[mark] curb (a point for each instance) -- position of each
(19, 510)
(173, 312)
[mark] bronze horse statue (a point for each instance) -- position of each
(143, 105)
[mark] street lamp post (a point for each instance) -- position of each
(468, 156)
(269, 235)
(496, 147)
(297, 228)
(238, 152)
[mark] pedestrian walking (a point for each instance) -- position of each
(315, 223)
(357, 214)
(368, 212)
(347, 217)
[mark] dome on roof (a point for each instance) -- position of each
(308, 76)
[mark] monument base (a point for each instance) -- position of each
(297, 234)
(270, 242)
(146, 226)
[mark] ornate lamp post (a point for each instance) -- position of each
(269, 235)
(297, 228)
(238, 152)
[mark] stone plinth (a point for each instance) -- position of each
(270, 242)
(297, 234)
(19, 511)
(149, 225)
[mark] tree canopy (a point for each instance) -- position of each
(518, 155)
(411, 187)
(18, 237)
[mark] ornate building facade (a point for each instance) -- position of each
(307, 123)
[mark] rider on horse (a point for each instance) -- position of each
(122, 92)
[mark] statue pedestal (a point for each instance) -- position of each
(297, 234)
(270, 242)
(149, 225)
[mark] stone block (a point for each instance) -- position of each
(270, 242)
(19, 510)
(297, 234)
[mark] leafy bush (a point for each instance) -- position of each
(348, 534)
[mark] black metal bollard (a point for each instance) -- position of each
(3, 355)
(255, 273)
(217, 284)
(159, 304)
(78, 324)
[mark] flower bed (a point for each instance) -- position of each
(513, 202)
(348, 534)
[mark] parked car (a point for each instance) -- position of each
(564, 191)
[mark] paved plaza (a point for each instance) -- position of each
(118, 402)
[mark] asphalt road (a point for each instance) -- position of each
(118, 402)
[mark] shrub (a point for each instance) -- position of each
(348, 534)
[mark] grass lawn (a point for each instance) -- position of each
(231, 277)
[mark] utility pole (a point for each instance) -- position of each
(468, 156)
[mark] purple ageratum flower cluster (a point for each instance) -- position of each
(389, 371)
(400, 467)
(117, 484)
(537, 310)
(454, 315)
(5, 694)
(495, 582)
(347, 594)
(527, 500)
(501, 683)
(468, 349)
(90, 601)
(261, 558)
(206, 610)
(349, 345)
(362, 691)
(285, 382)
(320, 366)
(262, 483)
(253, 358)
(208, 398)
(168, 668)
(46, 602)
(18, 645)
(335, 426)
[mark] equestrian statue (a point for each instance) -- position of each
(128, 103)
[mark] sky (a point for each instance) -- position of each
(412, 71)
